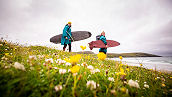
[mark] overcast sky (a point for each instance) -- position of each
(139, 25)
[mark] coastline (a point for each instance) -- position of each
(116, 55)
(148, 63)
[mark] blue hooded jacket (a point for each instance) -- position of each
(65, 34)
(103, 38)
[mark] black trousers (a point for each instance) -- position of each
(65, 47)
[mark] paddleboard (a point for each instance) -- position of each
(76, 35)
(100, 44)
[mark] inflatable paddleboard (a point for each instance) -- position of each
(76, 35)
(100, 44)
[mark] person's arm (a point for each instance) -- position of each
(65, 33)
(104, 41)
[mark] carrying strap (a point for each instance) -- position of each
(69, 34)
(71, 38)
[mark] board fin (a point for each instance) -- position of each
(90, 45)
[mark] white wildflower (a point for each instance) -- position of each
(19, 66)
(98, 85)
(84, 64)
(41, 56)
(89, 76)
(31, 68)
(95, 71)
(28, 61)
(6, 67)
(146, 86)
(69, 70)
(49, 60)
(62, 71)
(58, 88)
(3, 58)
(91, 84)
(55, 67)
(111, 79)
(74, 74)
(57, 61)
(45, 64)
(6, 59)
(125, 82)
(32, 57)
(113, 91)
(90, 67)
(78, 64)
(133, 83)
(60, 61)
(68, 64)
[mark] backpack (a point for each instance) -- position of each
(98, 37)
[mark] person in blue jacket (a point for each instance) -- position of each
(103, 38)
(66, 37)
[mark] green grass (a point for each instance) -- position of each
(39, 81)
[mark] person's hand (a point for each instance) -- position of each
(66, 37)
(107, 46)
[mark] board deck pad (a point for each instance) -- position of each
(76, 35)
(100, 44)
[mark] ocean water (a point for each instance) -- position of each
(158, 63)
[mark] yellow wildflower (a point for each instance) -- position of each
(75, 69)
(101, 56)
(120, 57)
(6, 54)
(141, 64)
(87, 57)
(171, 77)
(73, 59)
(121, 72)
(128, 69)
(124, 90)
(83, 47)
(163, 85)
(121, 64)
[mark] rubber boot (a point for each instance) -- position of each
(64, 49)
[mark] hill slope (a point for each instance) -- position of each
(38, 71)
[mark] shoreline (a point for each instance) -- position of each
(162, 67)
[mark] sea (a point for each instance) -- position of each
(155, 63)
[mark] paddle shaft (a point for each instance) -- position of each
(70, 36)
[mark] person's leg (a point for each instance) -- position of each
(64, 47)
(69, 47)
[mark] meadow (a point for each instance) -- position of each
(38, 71)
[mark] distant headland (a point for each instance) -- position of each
(112, 55)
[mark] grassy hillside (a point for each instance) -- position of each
(37, 71)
